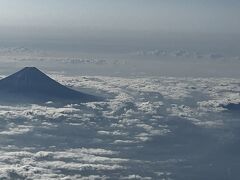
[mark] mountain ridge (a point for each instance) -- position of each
(31, 83)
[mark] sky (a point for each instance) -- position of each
(209, 16)
(155, 16)
(125, 25)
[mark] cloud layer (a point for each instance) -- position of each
(146, 129)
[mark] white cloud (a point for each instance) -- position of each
(94, 137)
(16, 130)
(135, 176)
(44, 164)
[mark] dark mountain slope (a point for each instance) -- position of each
(31, 83)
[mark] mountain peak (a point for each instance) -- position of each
(30, 69)
(30, 82)
(27, 76)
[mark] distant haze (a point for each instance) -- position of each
(68, 19)
(114, 28)
(213, 16)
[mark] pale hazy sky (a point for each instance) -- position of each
(96, 19)
(151, 15)
(116, 29)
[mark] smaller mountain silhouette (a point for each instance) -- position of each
(232, 106)
(32, 84)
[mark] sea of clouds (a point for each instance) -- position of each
(146, 128)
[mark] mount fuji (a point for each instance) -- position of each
(30, 84)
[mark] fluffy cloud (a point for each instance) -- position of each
(45, 164)
(100, 139)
